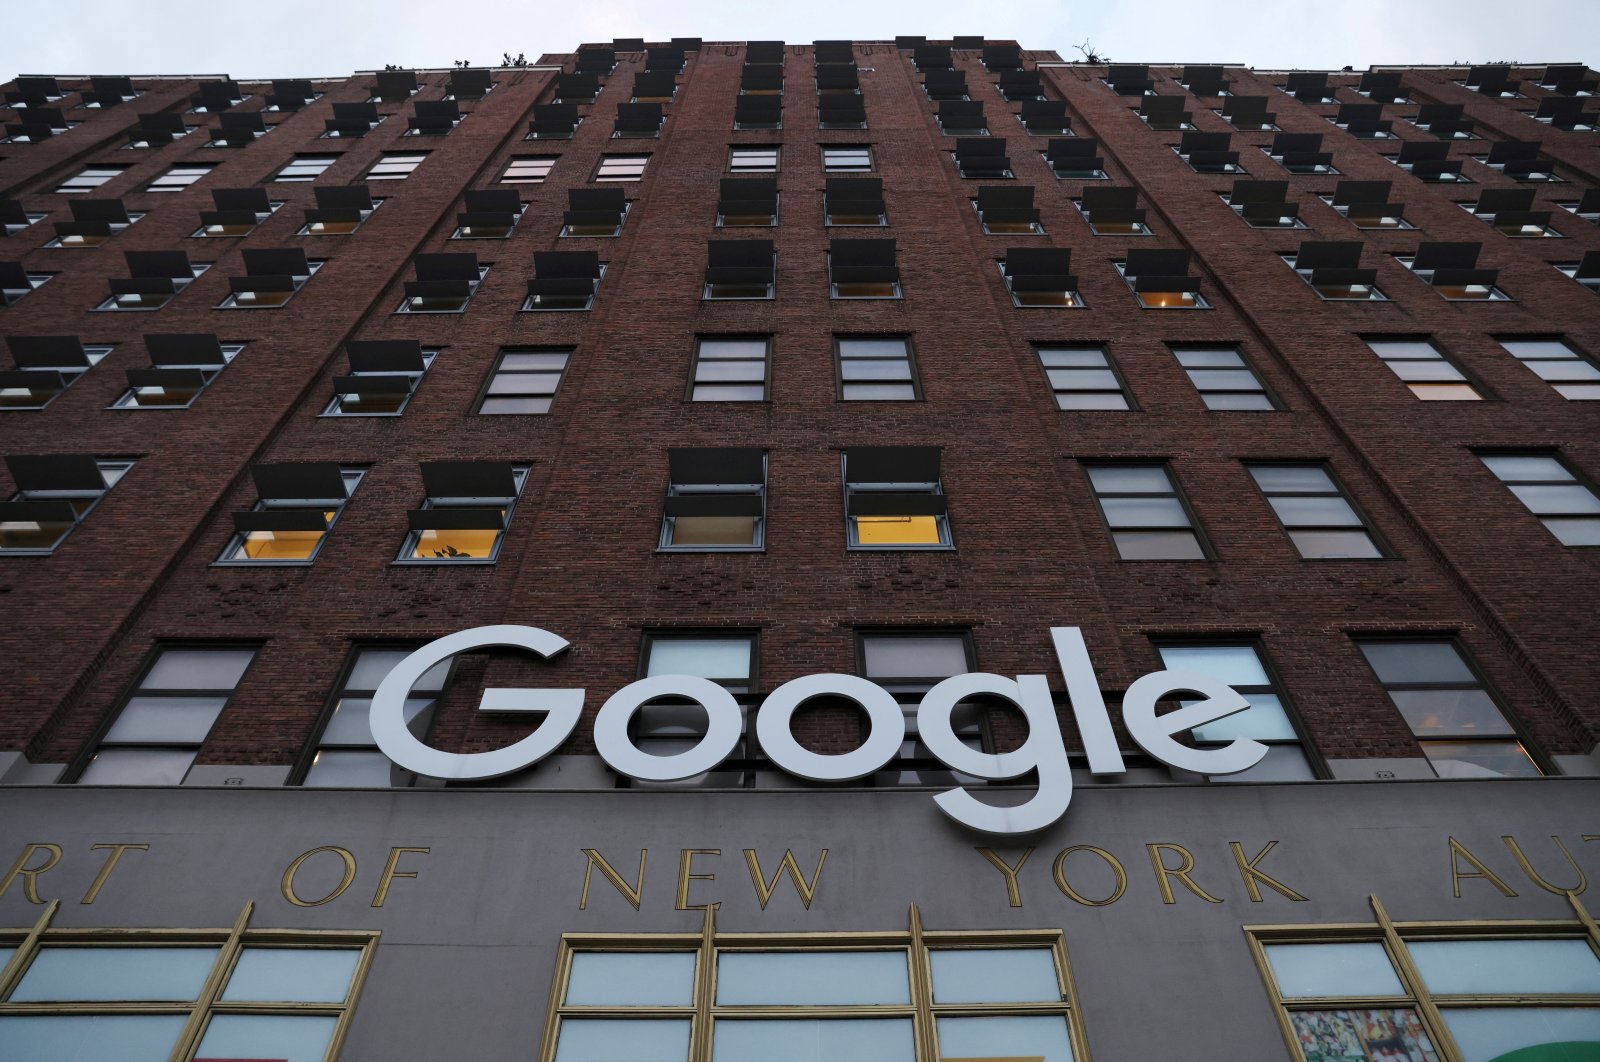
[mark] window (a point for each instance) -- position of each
(1366, 205)
(758, 111)
(1568, 507)
(564, 280)
(1423, 367)
(90, 178)
(1264, 204)
(716, 500)
(1074, 159)
(272, 277)
(962, 117)
(182, 366)
(1008, 211)
(554, 121)
(273, 994)
(434, 118)
(1082, 376)
(395, 166)
(638, 121)
(753, 158)
(1499, 990)
(490, 214)
(863, 269)
(1430, 161)
(908, 664)
(739, 269)
(1165, 112)
(155, 277)
(1223, 379)
(340, 210)
(846, 158)
(991, 995)
(982, 158)
(749, 202)
(1300, 153)
(1314, 512)
(15, 282)
(1585, 271)
(893, 498)
(46, 366)
(1587, 208)
(1160, 280)
(1521, 161)
(528, 169)
(445, 283)
(1449, 268)
(465, 513)
(621, 168)
(384, 374)
(666, 727)
(594, 212)
(1045, 118)
(351, 120)
(1041, 277)
(344, 753)
(1267, 720)
(38, 124)
(1148, 518)
(854, 201)
(730, 369)
(239, 211)
(1248, 114)
(238, 129)
(1555, 362)
(299, 505)
(1509, 211)
(54, 493)
(1461, 729)
(158, 129)
(1364, 121)
(94, 221)
(876, 369)
(579, 86)
(1112, 211)
(1332, 269)
(14, 218)
(524, 380)
(154, 737)
(178, 178)
(305, 168)
(1208, 153)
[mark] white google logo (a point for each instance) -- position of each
(1043, 751)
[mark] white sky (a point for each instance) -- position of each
(332, 38)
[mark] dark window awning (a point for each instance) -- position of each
(184, 348)
(1328, 254)
(1381, 85)
(469, 479)
(600, 61)
(1446, 255)
(490, 206)
(1160, 269)
(1588, 266)
(39, 472)
(141, 285)
(159, 264)
(244, 121)
(290, 94)
(576, 86)
(651, 83)
(980, 156)
(276, 261)
(716, 465)
(385, 355)
(12, 275)
(359, 385)
(998, 57)
(714, 504)
(837, 77)
(833, 52)
(664, 60)
(1352, 193)
(638, 117)
(841, 110)
(739, 262)
(395, 84)
(688, 44)
(1196, 141)
(1074, 153)
(252, 199)
(280, 520)
(1498, 200)
(1247, 110)
(854, 195)
(1129, 78)
(1165, 108)
(446, 266)
(1112, 205)
(453, 518)
(1039, 269)
(906, 42)
(1308, 86)
(971, 42)
(932, 57)
(469, 84)
(564, 273)
(892, 464)
(101, 211)
(167, 379)
(1246, 193)
(356, 197)
(595, 206)
(1021, 85)
(47, 352)
(554, 119)
(761, 77)
(862, 261)
(748, 195)
(758, 110)
(627, 44)
(1048, 115)
(12, 212)
(299, 481)
(941, 84)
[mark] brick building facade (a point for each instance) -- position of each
(1279, 376)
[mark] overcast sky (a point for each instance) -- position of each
(332, 38)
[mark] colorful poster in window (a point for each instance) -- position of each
(1362, 1036)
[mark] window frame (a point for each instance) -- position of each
(1576, 356)
(840, 383)
(386, 166)
(334, 407)
(836, 167)
(296, 171)
(916, 944)
(1480, 393)
(735, 150)
(202, 232)
(1179, 349)
(520, 472)
(598, 174)
(120, 467)
(81, 763)
(1575, 478)
(94, 354)
(1130, 404)
(1495, 294)
(351, 475)
(848, 488)
(1331, 292)
(496, 369)
(474, 286)
(747, 759)
(908, 691)
(231, 300)
(1208, 555)
(162, 184)
(758, 531)
(67, 187)
(209, 372)
(511, 164)
(695, 360)
(1385, 552)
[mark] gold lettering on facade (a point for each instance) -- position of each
(30, 875)
(1252, 876)
(629, 892)
(1533, 875)
(1164, 873)
(764, 890)
(685, 875)
(1058, 871)
(390, 873)
(287, 886)
(110, 865)
(1013, 893)
(1458, 852)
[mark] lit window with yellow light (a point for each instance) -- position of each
(463, 519)
(894, 498)
(298, 505)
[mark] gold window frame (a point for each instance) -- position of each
(208, 1004)
(914, 943)
(1394, 937)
